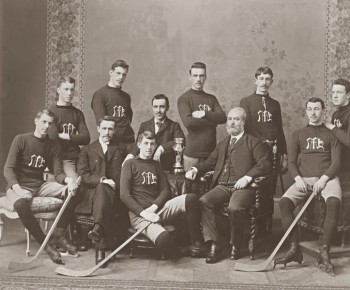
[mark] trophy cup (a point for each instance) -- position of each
(178, 148)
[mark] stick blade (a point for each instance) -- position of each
(74, 273)
(251, 267)
(22, 266)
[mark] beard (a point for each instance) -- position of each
(233, 130)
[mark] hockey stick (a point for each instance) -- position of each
(83, 273)
(263, 266)
(20, 266)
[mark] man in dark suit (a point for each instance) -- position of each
(236, 160)
(99, 165)
(165, 131)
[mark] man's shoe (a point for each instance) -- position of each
(58, 240)
(213, 255)
(197, 250)
(53, 254)
(235, 253)
(100, 255)
(294, 254)
(96, 233)
(323, 261)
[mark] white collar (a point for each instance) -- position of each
(237, 136)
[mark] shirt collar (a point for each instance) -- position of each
(237, 136)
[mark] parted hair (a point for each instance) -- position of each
(145, 134)
(264, 70)
(106, 118)
(344, 83)
(120, 63)
(44, 111)
(199, 65)
(316, 100)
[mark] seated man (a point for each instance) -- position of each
(314, 162)
(236, 161)
(165, 130)
(145, 190)
(28, 157)
(69, 126)
(99, 166)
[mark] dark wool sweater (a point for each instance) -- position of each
(108, 101)
(201, 138)
(341, 119)
(264, 119)
(313, 152)
(27, 159)
(143, 183)
(69, 119)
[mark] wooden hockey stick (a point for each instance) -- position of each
(83, 273)
(263, 266)
(26, 265)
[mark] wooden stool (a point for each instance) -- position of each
(141, 241)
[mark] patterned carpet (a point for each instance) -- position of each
(37, 283)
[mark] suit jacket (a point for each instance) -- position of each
(249, 156)
(165, 137)
(92, 166)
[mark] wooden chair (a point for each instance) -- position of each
(314, 216)
(259, 214)
(45, 209)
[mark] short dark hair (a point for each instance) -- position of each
(263, 70)
(120, 63)
(46, 112)
(199, 65)
(65, 79)
(344, 83)
(316, 100)
(106, 118)
(161, 97)
(145, 134)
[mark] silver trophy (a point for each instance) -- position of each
(178, 148)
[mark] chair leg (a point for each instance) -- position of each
(1, 227)
(132, 248)
(252, 240)
(28, 242)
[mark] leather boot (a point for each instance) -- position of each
(294, 254)
(53, 254)
(197, 250)
(59, 240)
(234, 255)
(213, 255)
(323, 261)
(100, 255)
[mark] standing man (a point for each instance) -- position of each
(99, 166)
(340, 125)
(28, 157)
(314, 163)
(111, 100)
(200, 113)
(165, 131)
(69, 126)
(145, 190)
(264, 118)
(236, 161)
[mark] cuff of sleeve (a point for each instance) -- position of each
(103, 178)
(249, 178)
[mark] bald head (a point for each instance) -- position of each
(235, 121)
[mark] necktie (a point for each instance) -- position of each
(159, 124)
(233, 141)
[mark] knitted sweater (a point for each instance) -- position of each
(27, 159)
(143, 183)
(69, 119)
(201, 138)
(108, 101)
(341, 119)
(313, 152)
(264, 119)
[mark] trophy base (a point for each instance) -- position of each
(178, 170)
